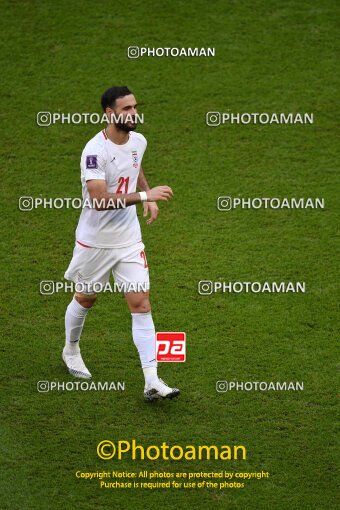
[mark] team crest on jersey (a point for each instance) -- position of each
(135, 159)
(91, 162)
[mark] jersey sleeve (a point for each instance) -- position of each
(93, 163)
(142, 139)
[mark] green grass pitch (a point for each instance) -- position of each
(271, 56)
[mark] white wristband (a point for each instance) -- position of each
(143, 196)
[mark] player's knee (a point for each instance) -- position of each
(141, 306)
(85, 300)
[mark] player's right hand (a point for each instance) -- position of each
(159, 193)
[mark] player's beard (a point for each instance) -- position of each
(126, 126)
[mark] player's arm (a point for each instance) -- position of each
(142, 182)
(151, 207)
(103, 200)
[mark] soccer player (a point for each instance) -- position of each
(108, 235)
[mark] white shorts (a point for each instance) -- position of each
(91, 268)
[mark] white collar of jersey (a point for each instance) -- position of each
(113, 147)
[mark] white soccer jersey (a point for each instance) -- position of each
(118, 166)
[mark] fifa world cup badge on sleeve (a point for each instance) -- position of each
(91, 162)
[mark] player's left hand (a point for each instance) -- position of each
(151, 207)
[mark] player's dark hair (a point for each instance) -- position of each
(110, 95)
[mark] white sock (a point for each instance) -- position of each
(144, 337)
(74, 322)
(150, 375)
